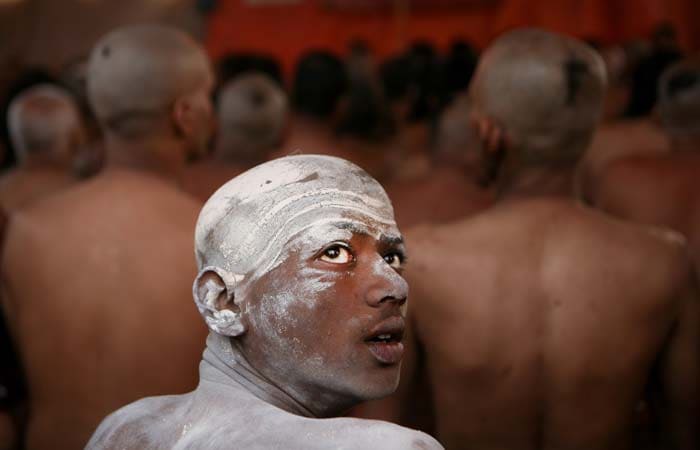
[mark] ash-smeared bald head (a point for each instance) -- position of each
(136, 73)
(245, 226)
(545, 90)
(679, 98)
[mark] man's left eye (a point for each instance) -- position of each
(394, 260)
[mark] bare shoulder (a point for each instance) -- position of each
(555, 237)
(110, 201)
(363, 434)
(144, 424)
(616, 255)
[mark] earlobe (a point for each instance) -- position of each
(214, 292)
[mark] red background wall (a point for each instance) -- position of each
(287, 30)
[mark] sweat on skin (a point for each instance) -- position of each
(299, 282)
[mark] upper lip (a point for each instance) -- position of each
(393, 326)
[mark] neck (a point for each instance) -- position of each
(224, 363)
(690, 144)
(159, 155)
(540, 181)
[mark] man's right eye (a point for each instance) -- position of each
(337, 254)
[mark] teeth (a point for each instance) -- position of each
(384, 336)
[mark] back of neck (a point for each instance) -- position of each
(540, 181)
(162, 156)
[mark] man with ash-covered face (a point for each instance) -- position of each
(300, 284)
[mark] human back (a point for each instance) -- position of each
(549, 337)
(119, 300)
(112, 251)
(543, 322)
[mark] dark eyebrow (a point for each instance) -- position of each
(388, 240)
(391, 240)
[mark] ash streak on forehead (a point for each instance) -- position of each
(315, 235)
(246, 224)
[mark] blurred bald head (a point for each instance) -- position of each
(545, 90)
(679, 98)
(252, 113)
(45, 120)
(136, 74)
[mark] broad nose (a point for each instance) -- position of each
(386, 285)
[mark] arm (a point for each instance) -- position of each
(679, 406)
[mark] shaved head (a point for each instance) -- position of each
(244, 226)
(679, 98)
(43, 119)
(136, 73)
(546, 90)
(252, 114)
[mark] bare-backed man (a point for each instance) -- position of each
(252, 117)
(47, 132)
(545, 323)
(95, 279)
(664, 189)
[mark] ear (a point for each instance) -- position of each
(182, 115)
(494, 144)
(214, 294)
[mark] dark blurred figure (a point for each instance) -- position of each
(664, 52)
(423, 72)
(236, 64)
(449, 188)
(664, 189)
(46, 132)
(26, 78)
(320, 83)
(252, 116)
(408, 155)
(456, 71)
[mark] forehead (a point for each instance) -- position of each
(347, 226)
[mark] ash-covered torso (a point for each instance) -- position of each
(224, 412)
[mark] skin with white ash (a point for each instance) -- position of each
(300, 284)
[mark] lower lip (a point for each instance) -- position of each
(386, 353)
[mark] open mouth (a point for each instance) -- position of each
(384, 341)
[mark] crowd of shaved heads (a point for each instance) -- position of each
(493, 249)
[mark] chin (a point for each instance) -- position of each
(378, 383)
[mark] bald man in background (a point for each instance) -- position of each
(543, 323)
(252, 117)
(47, 133)
(449, 189)
(663, 189)
(95, 279)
